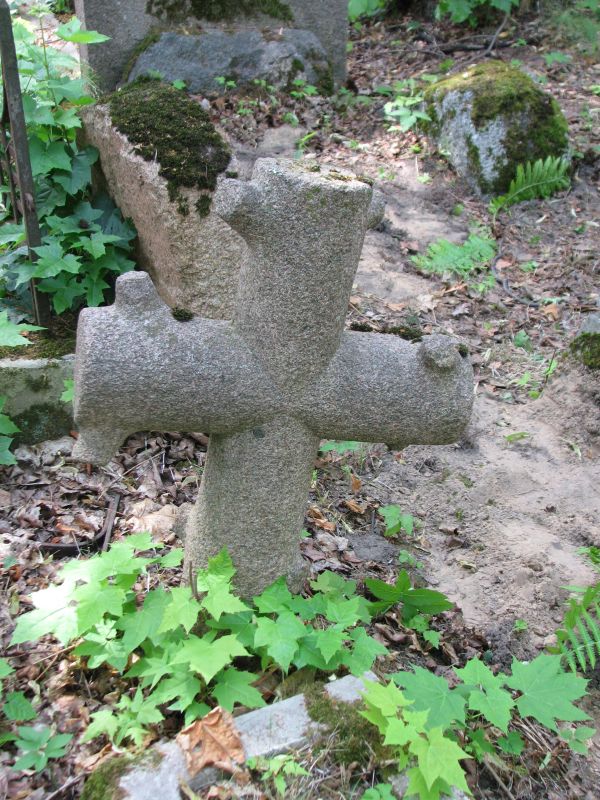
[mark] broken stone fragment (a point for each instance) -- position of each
(490, 118)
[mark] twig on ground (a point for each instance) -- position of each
(71, 782)
(499, 781)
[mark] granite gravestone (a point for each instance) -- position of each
(128, 22)
(274, 381)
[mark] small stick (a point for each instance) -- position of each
(71, 782)
(110, 520)
(499, 781)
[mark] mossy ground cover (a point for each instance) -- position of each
(166, 125)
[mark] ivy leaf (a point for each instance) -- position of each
(46, 156)
(547, 691)
(52, 260)
(344, 613)
(309, 655)
(280, 637)
(52, 614)
(512, 744)
(18, 708)
(417, 786)
(439, 759)
(79, 174)
(363, 654)
(10, 332)
(182, 609)
(234, 686)
(431, 692)
(209, 658)
(65, 289)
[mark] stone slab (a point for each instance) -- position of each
(194, 261)
(32, 388)
(278, 728)
(127, 23)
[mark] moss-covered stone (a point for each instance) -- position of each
(492, 117)
(165, 125)
(219, 10)
(586, 346)
(349, 737)
(103, 783)
(148, 40)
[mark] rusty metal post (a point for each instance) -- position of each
(12, 109)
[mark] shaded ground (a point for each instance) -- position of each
(502, 519)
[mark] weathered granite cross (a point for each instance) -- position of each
(274, 381)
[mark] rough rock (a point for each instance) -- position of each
(269, 385)
(489, 119)
(33, 388)
(128, 23)
(243, 56)
(194, 260)
(586, 345)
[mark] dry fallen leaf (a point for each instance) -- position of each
(356, 483)
(354, 506)
(212, 741)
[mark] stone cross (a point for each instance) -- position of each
(274, 381)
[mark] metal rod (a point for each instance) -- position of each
(14, 106)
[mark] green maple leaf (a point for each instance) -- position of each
(219, 598)
(52, 614)
(234, 686)
(181, 609)
(309, 655)
(383, 702)
(328, 642)
(181, 685)
(146, 622)
(485, 693)
(363, 654)
(103, 721)
(402, 731)
(94, 601)
(240, 624)
(5, 670)
(431, 692)
(417, 786)
(547, 691)
(208, 658)
(10, 332)
(18, 708)
(172, 559)
(439, 759)
(280, 637)
(345, 613)
(274, 599)
(333, 584)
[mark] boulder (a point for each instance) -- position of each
(243, 56)
(160, 156)
(489, 119)
(586, 345)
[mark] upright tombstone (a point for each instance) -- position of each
(273, 382)
(129, 22)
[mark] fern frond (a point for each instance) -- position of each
(535, 180)
(579, 638)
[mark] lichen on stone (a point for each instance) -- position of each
(165, 125)
(219, 10)
(491, 118)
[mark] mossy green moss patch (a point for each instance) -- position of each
(350, 738)
(586, 348)
(511, 121)
(219, 10)
(165, 125)
(103, 783)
